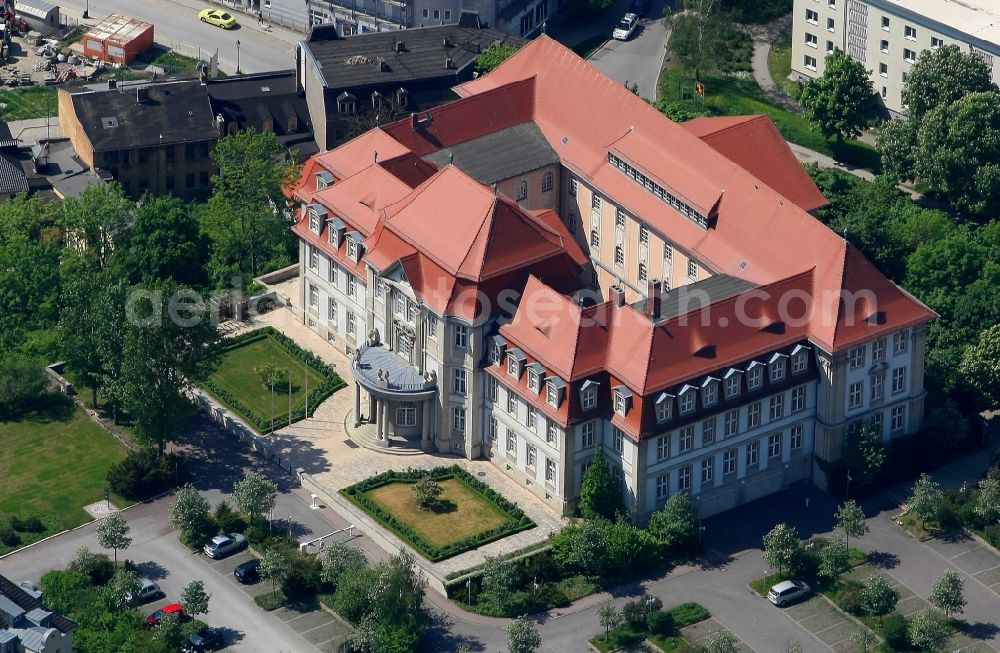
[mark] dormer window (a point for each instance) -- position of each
(709, 392)
(588, 394)
(323, 180)
(317, 213)
(755, 375)
(777, 367)
(515, 362)
(352, 249)
(622, 399)
(554, 389)
(686, 399)
(733, 377)
(664, 407)
(497, 349)
(337, 230)
(313, 222)
(535, 374)
(800, 359)
(347, 103)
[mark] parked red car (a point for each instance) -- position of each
(170, 608)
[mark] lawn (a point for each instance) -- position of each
(588, 47)
(779, 63)
(464, 513)
(727, 95)
(175, 64)
(27, 102)
(54, 465)
(235, 377)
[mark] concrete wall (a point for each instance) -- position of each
(73, 129)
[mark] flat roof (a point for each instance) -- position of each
(499, 155)
(977, 18)
(695, 296)
(117, 27)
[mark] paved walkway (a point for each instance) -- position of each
(761, 73)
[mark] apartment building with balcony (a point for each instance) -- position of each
(534, 280)
(887, 36)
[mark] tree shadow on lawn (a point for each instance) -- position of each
(50, 407)
(443, 507)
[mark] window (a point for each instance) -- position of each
(352, 325)
(776, 407)
(313, 296)
(898, 380)
(811, 40)
(885, 23)
(313, 258)
(729, 461)
(531, 417)
(936, 43)
(753, 453)
(774, 445)
(777, 370)
(511, 403)
(707, 470)
(573, 183)
(406, 413)
(619, 219)
(829, 47)
(352, 285)
(352, 249)
(812, 16)
(331, 310)
(589, 399)
(798, 398)
(754, 377)
(620, 402)
(618, 439)
(529, 454)
(546, 182)
(685, 439)
(411, 311)
(687, 402)
(795, 438)
(432, 326)
(909, 55)
(855, 394)
(663, 447)
(753, 415)
(899, 342)
(493, 429)
(492, 388)
(662, 485)
(885, 92)
(883, 70)
(522, 190)
(829, 25)
(587, 438)
(332, 273)
(551, 431)
(643, 236)
(437, 14)
(447, 15)
(461, 336)
(595, 202)
(692, 270)
(876, 422)
(511, 442)
(878, 350)
(550, 470)
(595, 239)
(708, 432)
(858, 357)
(534, 381)
(458, 381)
(684, 478)
(733, 386)
(426, 13)
(642, 275)
(458, 419)
(203, 178)
(709, 394)
(878, 383)
(619, 256)
(668, 257)
(884, 46)
(732, 423)
(910, 32)
(809, 62)
(897, 418)
(663, 410)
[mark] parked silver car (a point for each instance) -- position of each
(223, 545)
(788, 591)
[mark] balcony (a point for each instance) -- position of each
(387, 374)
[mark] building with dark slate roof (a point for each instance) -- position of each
(25, 624)
(354, 83)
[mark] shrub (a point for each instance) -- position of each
(197, 537)
(96, 566)
(255, 534)
(805, 560)
(634, 614)
(686, 614)
(269, 600)
(948, 517)
(895, 631)
(848, 597)
(630, 548)
(550, 596)
(660, 623)
(27, 523)
(145, 473)
(993, 535)
(303, 578)
(7, 536)
(228, 520)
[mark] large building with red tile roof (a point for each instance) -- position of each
(549, 267)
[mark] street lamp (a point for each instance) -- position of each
(237, 56)
(86, 11)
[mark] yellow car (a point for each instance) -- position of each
(217, 17)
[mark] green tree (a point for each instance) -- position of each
(122, 591)
(494, 55)
(987, 505)
(22, 383)
(98, 222)
(164, 242)
(600, 494)
(337, 559)
(942, 76)
(833, 559)
(190, 510)
(610, 618)
(63, 589)
(271, 376)
(928, 630)
(499, 579)
(522, 636)
(194, 598)
(255, 495)
(781, 545)
(937, 272)
(275, 566)
(701, 35)
(851, 520)
(82, 309)
(168, 633)
(864, 454)
(427, 492)
(864, 638)
(841, 102)
(721, 641)
(925, 501)
(981, 367)
(582, 547)
(676, 523)
(948, 593)
(878, 598)
(113, 533)
(244, 218)
(29, 287)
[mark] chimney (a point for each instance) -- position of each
(448, 63)
(445, 42)
(112, 84)
(400, 46)
(141, 94)
(413, 121)
(616, 295)
(220, 123)
(654, 298)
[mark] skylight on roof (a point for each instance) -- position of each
(265, 89)
(109, 122)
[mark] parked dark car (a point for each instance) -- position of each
(210, 639)
(248, 573)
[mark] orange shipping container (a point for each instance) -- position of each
(118, 39)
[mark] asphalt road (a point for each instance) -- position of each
(638, 60)
(155, 548)
(176, 24)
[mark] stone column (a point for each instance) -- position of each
(372, 408)
(426, 408)
(381, 420)
(357, 404)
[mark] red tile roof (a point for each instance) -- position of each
(754, 143)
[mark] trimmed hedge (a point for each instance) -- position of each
(517, 521)
(262, 424)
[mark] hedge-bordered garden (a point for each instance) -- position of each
(516, 521)
(329, 381)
